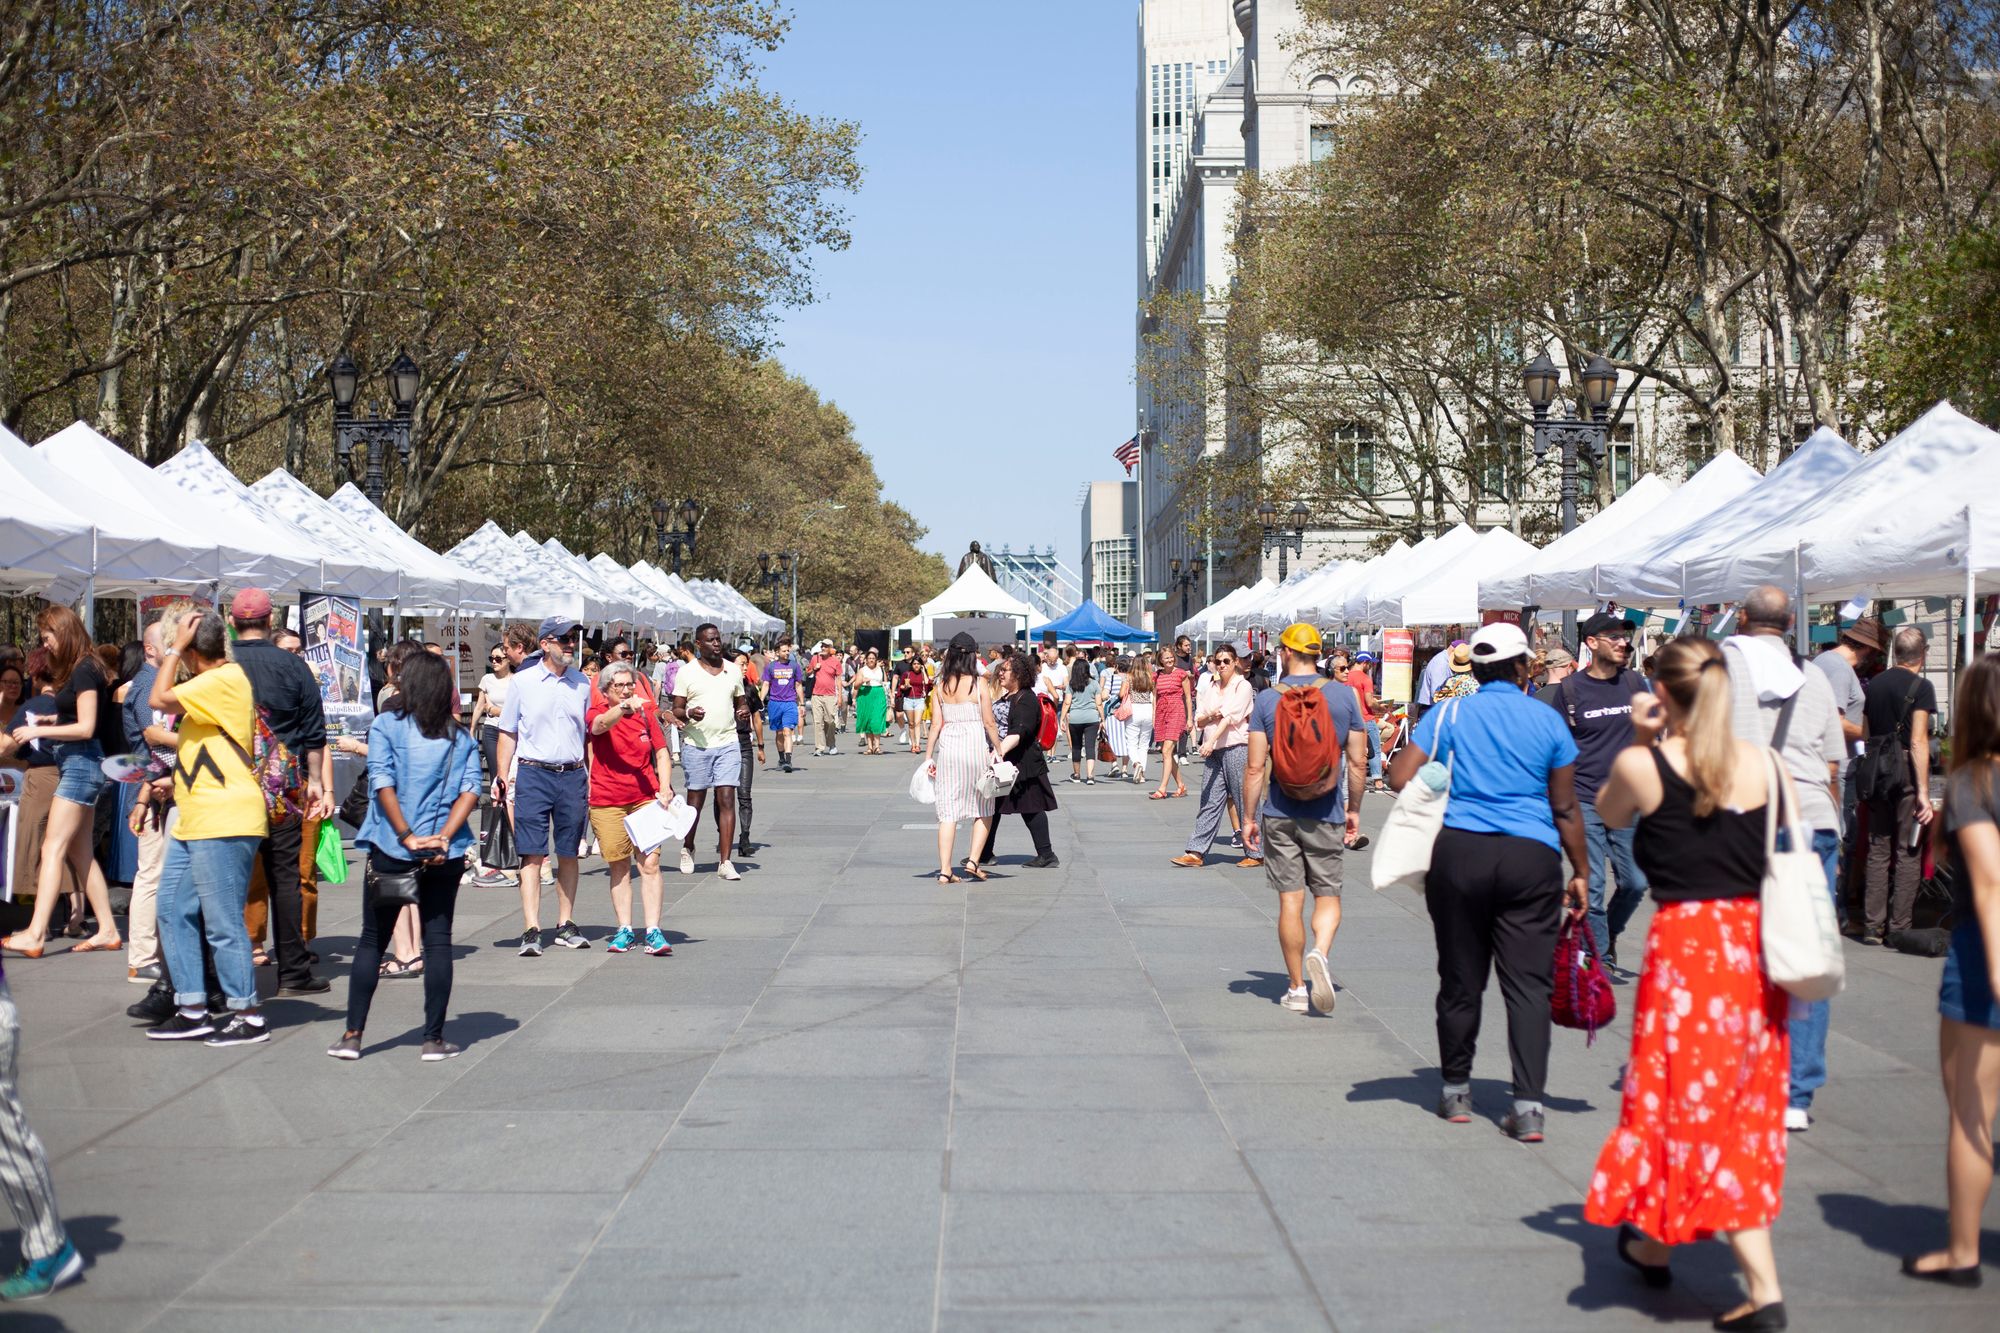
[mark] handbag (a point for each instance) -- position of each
(1801, 946)
(1581, 996)
(998, 780)
(1123, 712)
(496, 837)
(1403, 853)
(390, 880)
(1105, 754)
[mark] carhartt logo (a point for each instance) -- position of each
(1622, 710)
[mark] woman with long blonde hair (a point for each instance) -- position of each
(1700, 1146)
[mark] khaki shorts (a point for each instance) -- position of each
(608, 823)
(1303, 854)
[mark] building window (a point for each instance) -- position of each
(1492, 472)
(1354, 457)
(1324, 140)
(1700, 449)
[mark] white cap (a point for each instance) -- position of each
(1498, 642)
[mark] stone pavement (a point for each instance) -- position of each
(853, 1099)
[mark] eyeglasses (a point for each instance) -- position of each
(497, 657)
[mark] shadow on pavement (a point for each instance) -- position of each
(1896, 1228)
(468, 1030)
(1422, 1087)
(1609, 1285)
(1264, 985)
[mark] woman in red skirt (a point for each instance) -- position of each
(1700, 1146)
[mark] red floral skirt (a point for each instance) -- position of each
(1700, 1143)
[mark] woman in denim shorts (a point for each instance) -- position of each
(86, 727)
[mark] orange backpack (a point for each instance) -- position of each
(1305, 751)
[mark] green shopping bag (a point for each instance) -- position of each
(329, 855)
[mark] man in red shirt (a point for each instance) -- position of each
(826, 670)
(1363, 684)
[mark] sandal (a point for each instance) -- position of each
(99, 946)
(25, 950)
(1181, 791)
(391, 968)
(946, 877)
(1158, 796)
(971, 867)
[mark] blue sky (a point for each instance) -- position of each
(979, 329)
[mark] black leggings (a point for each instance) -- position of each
(437, 895)
(1038, 829)
(1082, 741)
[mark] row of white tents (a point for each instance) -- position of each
(81, 516)
(1919, 516)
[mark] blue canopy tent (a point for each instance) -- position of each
(1089, 624)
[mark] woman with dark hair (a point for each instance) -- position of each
(1033, 795)
(959, 753)
(1084, 709)
(1969, 1013)
(1700, 1146)
(12, 688)
(86, 727)
(405, 958)
(423, 769)
(221, 819)
(39, 773)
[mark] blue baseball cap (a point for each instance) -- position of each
(557, 626)
(1364, 656)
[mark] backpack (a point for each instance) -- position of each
(1306, 754)
(1883, 772)
(276, 767)
(1045, 735)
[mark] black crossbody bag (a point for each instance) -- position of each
(392, 879)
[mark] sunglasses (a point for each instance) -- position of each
(497, 657)
(566, 641)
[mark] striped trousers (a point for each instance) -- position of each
(24, 1170)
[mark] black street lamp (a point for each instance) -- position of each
(774, 578)
(1591, 434)
(1285, 543)
(364, 442)
(1185, 580)
(681, 538)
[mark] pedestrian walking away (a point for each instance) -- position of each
(1777, 702)
(1700, 1144)
(630, 768)
(1968, 1010)
(708, 702)
(961, 749)
(1142, 702)
(1495, 891)
(424, 777)
(1222, 712)
(541, 768)
(1893, 778)
(1305, 770)
(1596, 706)
(1083, 707)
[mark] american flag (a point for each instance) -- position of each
(1128, 454)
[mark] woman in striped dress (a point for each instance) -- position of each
(961, 748)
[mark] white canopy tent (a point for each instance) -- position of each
(438, 583)
(690, 610)
(42, 539)
(664, 614)
(1513, 588)
(755, 619)
(533, 590)
(1655, 576)
(1575, 586)
(643, 611)
(726, 617)
(972, 593)
(1212, 621)
(1253, 612)
(1914, 517)
(1368, 601)
(1325, 602)
(557, 572)
(252, 551)
(350, 567)
(292, 501)
(1448, 594)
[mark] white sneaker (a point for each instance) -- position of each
(728, 871)
(1297, 1001)
(1796, 1120)
(1320, 982)
(687, 861)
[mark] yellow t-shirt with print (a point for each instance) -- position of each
(216, 792)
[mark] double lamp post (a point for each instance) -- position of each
(1570, 435)
(363, 443)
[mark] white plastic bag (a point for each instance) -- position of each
(1402, 857)
(1802, 948)
(921, 789)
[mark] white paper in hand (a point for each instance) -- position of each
(652, 824)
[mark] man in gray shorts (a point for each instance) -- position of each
(1304, 839)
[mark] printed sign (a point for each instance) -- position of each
(1399, 651)
(331, 628)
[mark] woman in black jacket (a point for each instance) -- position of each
(1033, 796)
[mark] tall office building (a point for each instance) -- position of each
(1110, 521)
(1185, 50)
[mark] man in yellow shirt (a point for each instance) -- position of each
(708, 702)
(222, 819)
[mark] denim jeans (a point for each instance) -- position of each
(1374, 751)
(1608, 920)
(203, 889)
(1809, 1019)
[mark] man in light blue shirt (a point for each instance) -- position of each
(541, 732)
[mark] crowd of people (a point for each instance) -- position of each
(1575, 789)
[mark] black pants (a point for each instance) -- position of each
(1082, 742)
(749, 748)
(437, 896)
(1038, 829)
(280, 854)
(1494, 900)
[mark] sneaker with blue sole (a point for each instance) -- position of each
(656, 943)
(36, 1278)
(622, 941)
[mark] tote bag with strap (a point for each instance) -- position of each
(1403, 853)
(1802, 949)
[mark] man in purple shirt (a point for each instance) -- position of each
(781, 709)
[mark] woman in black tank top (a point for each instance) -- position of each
(1700, 1144)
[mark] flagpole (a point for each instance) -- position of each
(1139, 526)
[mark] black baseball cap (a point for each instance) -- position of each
(1605, 623)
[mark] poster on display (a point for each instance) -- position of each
(331, 629)
(1399, 651)
(466, 640)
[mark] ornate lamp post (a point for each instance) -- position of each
(364, 442)
(1185, 580)
(1286, 543)
(772, 578)
(681, 538)
(1591, 434)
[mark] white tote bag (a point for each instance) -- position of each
(921, 789)
(1802, 948)
(1403, 852)
(996, 781)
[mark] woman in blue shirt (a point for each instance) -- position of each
(424, 771)
(1495, 890)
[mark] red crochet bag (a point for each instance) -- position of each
(1582, 997)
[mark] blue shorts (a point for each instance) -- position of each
(782, 715)
(543, 798)
(1966, 993)
(82, 767)
(720, 767)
